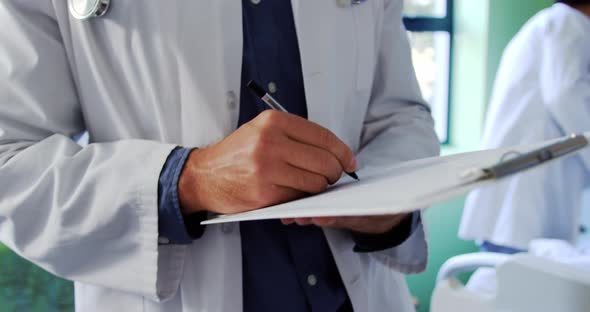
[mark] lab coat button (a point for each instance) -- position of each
(272, 87)
(231, 100)
(312, 280)
(227, 228)
(255, 1)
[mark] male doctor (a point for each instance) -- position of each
(159, 86)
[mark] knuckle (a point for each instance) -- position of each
(265, 138)
(260, 150)
(269, 118)
(326, 137)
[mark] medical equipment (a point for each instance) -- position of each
(524, 282)
(87, 9)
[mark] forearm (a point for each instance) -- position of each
(94, 208)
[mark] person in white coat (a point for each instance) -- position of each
(147, 78)
(542, 91)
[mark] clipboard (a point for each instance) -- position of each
(417, 184)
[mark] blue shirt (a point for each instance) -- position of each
(286, 268)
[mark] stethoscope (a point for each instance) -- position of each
(87, 9)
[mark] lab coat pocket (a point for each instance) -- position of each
(364, 37)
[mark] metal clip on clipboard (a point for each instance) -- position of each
(528, 160)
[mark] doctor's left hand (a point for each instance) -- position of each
(365, 225)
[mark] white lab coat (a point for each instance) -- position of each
(151, 75)
(542, 91)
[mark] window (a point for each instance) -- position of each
(430, 27)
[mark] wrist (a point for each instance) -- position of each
(394, 237)
(172, 228)
(188, 195)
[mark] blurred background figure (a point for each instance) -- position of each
(542, 91)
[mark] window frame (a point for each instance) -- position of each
(419, 23)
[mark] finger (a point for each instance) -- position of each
(349, 223)
(298, 179)
(363, 224)
(303, 221)
(324, 221)
(312, 158)
(287, 221)
(307, 132)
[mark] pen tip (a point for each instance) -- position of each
(353, 175)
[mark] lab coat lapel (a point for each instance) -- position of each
(308, 20)
(230, 14)
(309, 16)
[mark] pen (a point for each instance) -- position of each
(528, 160)
(274, 104)
(538, 156)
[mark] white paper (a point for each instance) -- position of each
(402, 188)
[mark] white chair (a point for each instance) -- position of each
(521, 282)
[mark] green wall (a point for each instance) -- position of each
(483, 28)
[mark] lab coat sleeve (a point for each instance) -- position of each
(398, 126)
(86, 214)
(565, 77)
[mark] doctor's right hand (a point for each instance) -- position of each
(275, 158)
